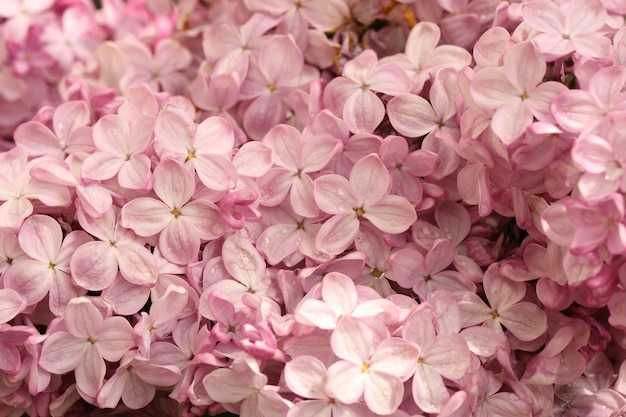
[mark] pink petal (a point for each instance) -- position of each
(421, 41)
(278, 241)
(137, 264)
(391, 214)
(125, 298)
(146, 216)
(40, 238)
(114, 338)
(316, 313)
(206, 217)
(390, 79)
(428, 390)
(275, 185)
(37, 139)
(411, 115)
(180, 242)
(11, 304)
(94, 266)
(62, 290)
(544, 16)
(491, 89)
(82, 318)
(90, 372)
(253, 159)
(370, 179)
(395, 356)
(346, 381)
(363, 112)
(224, 385)
(337, 233)
(242, 261)
(216, 172)
(286, 144)
(525, 320)
(334, 194)
(174, 130)
(287, 65)
(30, 279)
(383, 393)
(110, 135)
(139, 393)
(173, 183)
(352, 340)
(214, 135)
(305, 376)
(135, 174)
(449, 355)
(524, 77)
(61, 352)
(302, 197)
(111, 392)
(101, 166)
(511, 120)
(576, 110)
(265, 112)
(339, 292)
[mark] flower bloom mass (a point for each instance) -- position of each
(348, 208)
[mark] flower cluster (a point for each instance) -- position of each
(313, 208)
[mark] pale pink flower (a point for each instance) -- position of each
(135, 382)
(566, 27)
(525, 320)
(372, 365)
(94, 265)
(288, 238)
(441, 355)
(295, 157)
(206, 146)
(161, 71)
(94, 198)
(353, 97)
(69, 133)
(244, 263)
(21, 14)
(580, 111)
(414, 116)
(406, 167)
(428, 273)
(17, 188)
(244, 384)
(423, 56)
(269, 83)
(162, 318)
(363, 198)
(516, 91)
(47, 272)
(181, 224)
(121, 151)
(339, 297)
(306, 377)
(87, 341)
(230, 46)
